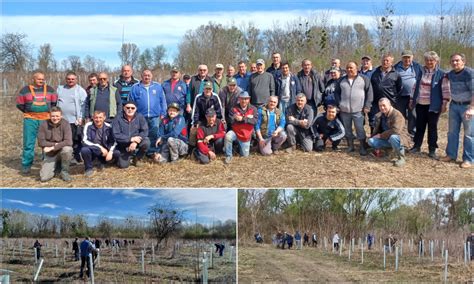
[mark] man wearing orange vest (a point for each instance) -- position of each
(34, 101)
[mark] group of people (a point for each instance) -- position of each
(282, 239)
(271, 108)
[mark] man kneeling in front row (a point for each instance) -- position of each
(131, 134)
(98, 143)
(55, 138)
(389, 132)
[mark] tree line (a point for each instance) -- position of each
(354, 212)
(446, 31)
(163, 222)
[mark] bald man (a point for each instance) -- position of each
(34, 101)
(125, 82)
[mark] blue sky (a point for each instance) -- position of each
(95, 27)
(211, 204)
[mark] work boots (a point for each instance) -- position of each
(362, 147)
(401, 157)
(350, 145)
(65, 170)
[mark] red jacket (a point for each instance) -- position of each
(243, 129)
(218, 130)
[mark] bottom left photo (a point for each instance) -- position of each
(118, 236)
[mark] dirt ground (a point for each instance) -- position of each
(295, 170)
(265, 263)
(122, 266)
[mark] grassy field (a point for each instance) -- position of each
(265, 263)
(298, 169)
(118, 266)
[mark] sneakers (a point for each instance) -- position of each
(89, 173)
(65, 176)
(415, 150)
(465, 165)
(138, 163)
(100, 167)
(156, 157)
(228, 160)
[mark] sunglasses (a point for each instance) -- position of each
(132, 108)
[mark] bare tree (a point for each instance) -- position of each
(46, 61)
(15, 52)
(159, 53)
(145, 60)
(129, 53)
(165, 219)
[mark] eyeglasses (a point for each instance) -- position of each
(202, 69)
(102, 79)
(131, 108)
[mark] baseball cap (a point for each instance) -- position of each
(175, 69)
(231, 81)
(210, 111)
(244, 95)
(366, 57)
(174, 105)
(334, 69)
(407, 53)
(219, 66)
(260, 61)
(207, 85)
(129, 103)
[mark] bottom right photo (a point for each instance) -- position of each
(345, 235)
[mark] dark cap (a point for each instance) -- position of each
(334, 69)
(174, 69)
(407, 52)
(207, 85)
(232, 81)
(210, 111)
(175, 106)
(186, 77)
(129, 103)
(366, 57)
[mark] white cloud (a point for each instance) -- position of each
(101, 35)
(130, 193)
(211, 203)
(68, 208)
(49, 205)
(26, 203)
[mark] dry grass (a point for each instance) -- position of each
(299, 170)
(123, 267)
(264, 263)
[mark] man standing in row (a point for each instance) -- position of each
(151, 103)
(103, 97)
(311, 85)
(125, 82)
(71, 100)
(35, 101)
(262, 85)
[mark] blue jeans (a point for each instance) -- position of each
(283, 106)
(153, 126)
(392, 142)
(230, 137)
(456, 117)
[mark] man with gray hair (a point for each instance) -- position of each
(389, 132)
(461, 111)
(196, 85)
(261, 85)
(72, 101)
(300, 119)
(410, 71)
(311, 84)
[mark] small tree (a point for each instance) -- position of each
(129, 53)
(15, 52)
(165, 219)
(46, 61)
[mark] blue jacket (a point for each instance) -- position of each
(151, 102)
(90, 132)
(124, 130)
(295, 87)
(86, 247)
(175, 128)
(436, 98)
(178, 95)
